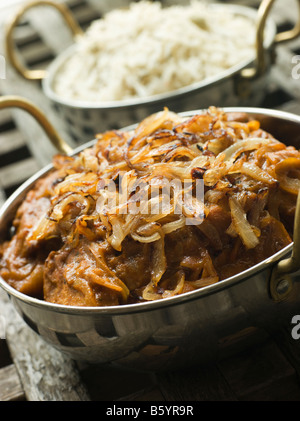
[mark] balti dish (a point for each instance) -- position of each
(66, 249)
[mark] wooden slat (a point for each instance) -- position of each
(108, 384)
(261, 373)
(289, 346)
(84, 15)
(10, 140)
(5, 118)
(25, 35)
(5, 358)
(197, 384)
(36, 53)
(11, 388)
(45, 373)
(17, 172)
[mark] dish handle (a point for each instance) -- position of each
(248, 73)
(22, 103)
(283, 273)
(11, 50)
(262, 16)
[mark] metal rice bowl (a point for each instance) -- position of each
(241, 85)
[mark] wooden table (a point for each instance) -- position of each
(31, 370)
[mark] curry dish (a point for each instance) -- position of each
(76, 240)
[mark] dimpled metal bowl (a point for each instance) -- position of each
(240, 85)
(195, 327)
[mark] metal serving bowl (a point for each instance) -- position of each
(241, 85)
(195, 327)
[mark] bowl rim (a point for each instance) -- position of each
(53, 68)
(13, 201)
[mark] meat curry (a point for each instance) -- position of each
(69, 246)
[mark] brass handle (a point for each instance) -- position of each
(263, 13)
(24, 104)
(281, 281)
(10, 45)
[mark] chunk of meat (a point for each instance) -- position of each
(235, 258)
(21, 260)
(80, 277)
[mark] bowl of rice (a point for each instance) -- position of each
(136, 60)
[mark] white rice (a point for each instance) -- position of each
(147, 49)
